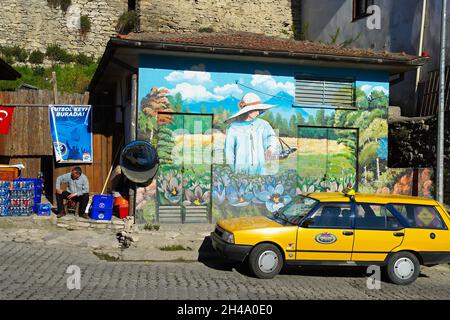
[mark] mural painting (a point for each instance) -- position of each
(235, 143)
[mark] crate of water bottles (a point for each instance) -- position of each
(21, 200)
(4, 198)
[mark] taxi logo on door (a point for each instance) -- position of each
(325, 238)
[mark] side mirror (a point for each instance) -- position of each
(307, 223)
(139, 162)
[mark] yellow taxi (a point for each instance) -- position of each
(398, 233)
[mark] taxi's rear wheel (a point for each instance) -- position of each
(403, 268)
(265, 261)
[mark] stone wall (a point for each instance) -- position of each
(412, 144)
(272, 17)
(33, 24)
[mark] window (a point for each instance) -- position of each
(332, 216)
(375, 217)
(297, 209)
(360, 8)
(131, 5)
(314, 92)
(425, 217)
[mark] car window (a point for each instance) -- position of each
(425, 217)
(375, 217)
(332, 216)
(298, 209)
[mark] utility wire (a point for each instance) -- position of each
(262, 92)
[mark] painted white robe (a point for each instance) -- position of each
(246, 143)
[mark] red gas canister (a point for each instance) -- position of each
(123, 211)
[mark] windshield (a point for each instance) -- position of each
(296, 210)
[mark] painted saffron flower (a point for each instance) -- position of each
(276, 198)
(171, 189)
(260, 195)
(196, 198)
(219, 192)
(239, 197)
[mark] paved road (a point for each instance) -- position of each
(37, 272)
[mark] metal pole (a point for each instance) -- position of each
(134, 88)
(441, 114)
(420, 49)
(55, 87)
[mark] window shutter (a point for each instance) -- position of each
(312, 92)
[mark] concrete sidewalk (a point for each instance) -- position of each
(172, 242)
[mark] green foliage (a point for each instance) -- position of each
(165, 144)
(377, 129)
(378, 99)
(334, 39)
(36, 57)
(206, 30)
(301, 34)
(176, 102)
(128, 22)
(38, 71)
(369, 153)
(71, 79)
(85, 24)
(361, 99)
(84, 59)
(15, 54)
(57, 54)
(151, 226)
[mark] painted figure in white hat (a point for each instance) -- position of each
(250, 141)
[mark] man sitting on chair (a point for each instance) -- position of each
(78, 191)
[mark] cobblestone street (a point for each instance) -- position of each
(36, 272)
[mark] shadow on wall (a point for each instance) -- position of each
(322, 12)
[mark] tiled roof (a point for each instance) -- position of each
(260, 42)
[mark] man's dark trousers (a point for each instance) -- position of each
(83, 200)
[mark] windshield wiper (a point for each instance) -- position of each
(278, 215)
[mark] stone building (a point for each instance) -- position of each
(400, 29)
(36, 24)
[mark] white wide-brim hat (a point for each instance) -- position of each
(249, 102)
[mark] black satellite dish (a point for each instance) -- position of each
(139, 162)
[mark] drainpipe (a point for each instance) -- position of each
(132, 190)
(440, 138)
(420, 49)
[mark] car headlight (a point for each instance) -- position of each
(228, 237)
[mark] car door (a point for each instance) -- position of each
(377, 232)
(427, 230)
(327, 234)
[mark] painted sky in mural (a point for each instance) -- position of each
(204, 91)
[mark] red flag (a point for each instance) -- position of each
(6, 114)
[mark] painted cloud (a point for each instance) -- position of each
(196, 75)
(263, 80)
(194, 93)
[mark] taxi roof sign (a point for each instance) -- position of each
(349, 192)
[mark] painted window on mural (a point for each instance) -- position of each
(314, 92)
(184, 144)
(249, 122)
(327, 158)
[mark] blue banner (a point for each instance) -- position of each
(71, 129)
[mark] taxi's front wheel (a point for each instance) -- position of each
(403, 268)
(265, 261)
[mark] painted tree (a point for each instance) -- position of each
(378, 99)
(153, 123)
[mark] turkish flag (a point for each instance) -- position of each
(6, 114)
